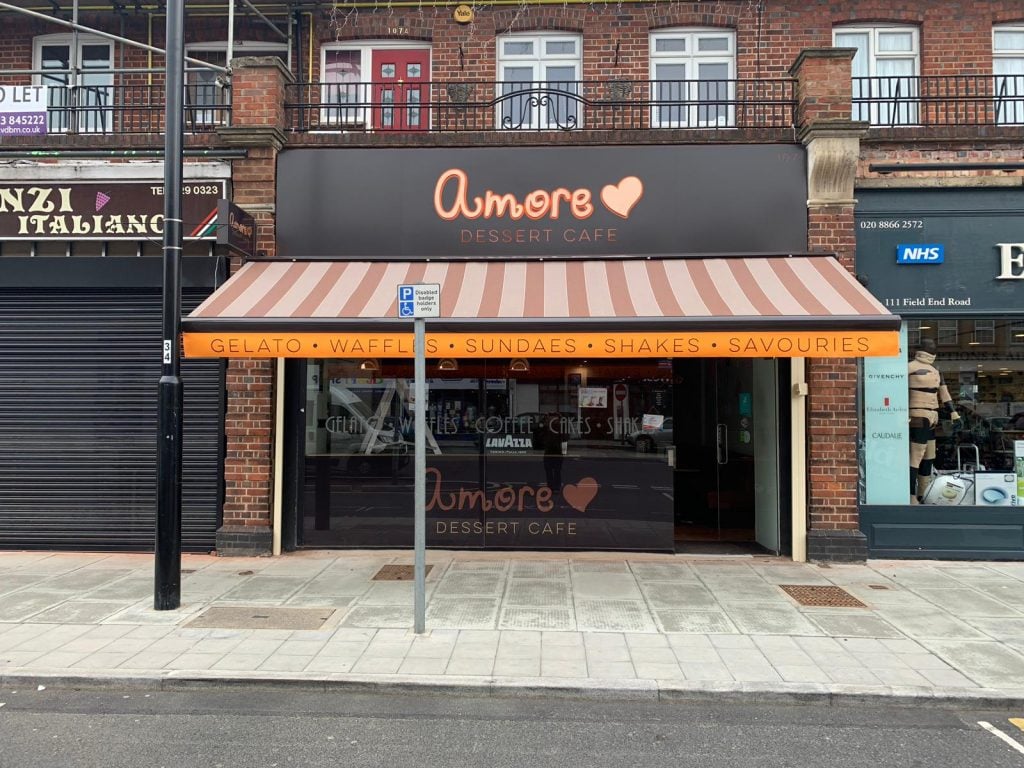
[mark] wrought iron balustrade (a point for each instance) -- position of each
(939, 100)
(476, 105)
(121, 101)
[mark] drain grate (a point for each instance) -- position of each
(877, 586)
(823, 597)
(397, 573)
(261, 617)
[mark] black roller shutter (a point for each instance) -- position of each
(78, 390)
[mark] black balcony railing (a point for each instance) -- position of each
(130, 109)
(121, 102)
(939, 100)
(540, 106)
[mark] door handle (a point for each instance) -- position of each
(722, 447)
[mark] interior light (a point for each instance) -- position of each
(447, 364)
(924, 327)
(519, 365)
(370, 364)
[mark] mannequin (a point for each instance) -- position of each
(927, 390)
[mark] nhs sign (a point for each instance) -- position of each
(920, 254)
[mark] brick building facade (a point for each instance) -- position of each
(922, 91)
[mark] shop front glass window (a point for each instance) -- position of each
(520, 454)
(976, 459)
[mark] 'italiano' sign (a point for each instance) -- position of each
(104, 210)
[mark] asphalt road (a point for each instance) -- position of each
(274, 727)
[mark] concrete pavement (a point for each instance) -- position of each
(594, 624)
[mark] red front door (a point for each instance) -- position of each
(401, 89)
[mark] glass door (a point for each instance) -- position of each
(401, 89)
(91, 109)
(726, 476)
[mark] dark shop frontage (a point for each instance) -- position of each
(620, 332)
(80, 340)
(942, 450)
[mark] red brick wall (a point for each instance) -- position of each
(258, 98)
(832, 418)
(248, 428)
(956, 37)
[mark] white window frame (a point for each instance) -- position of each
(541, 109)
(1013, 328)
(944, 327)
(880, 88)
(984, 332)
(216, 113)
(1009, 88)
(689, 113)
(334, 118)
(90, 119)
(914, 333)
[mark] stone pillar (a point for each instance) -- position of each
(824, 123)
(257, 125)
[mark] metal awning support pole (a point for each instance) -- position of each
(264, 19)
(167, 592)
(106, 35)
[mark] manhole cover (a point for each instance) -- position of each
(824, 597)
(261, 617)
(397, 573)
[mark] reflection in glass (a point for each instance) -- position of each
(982, 366)
(566, 454)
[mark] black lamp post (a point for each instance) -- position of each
(167, 592)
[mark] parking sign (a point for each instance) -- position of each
(419, 301)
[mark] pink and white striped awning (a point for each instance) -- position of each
(796, 288)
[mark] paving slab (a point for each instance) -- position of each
(532, 623)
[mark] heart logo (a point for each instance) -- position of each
(620, 198)
(580, 495)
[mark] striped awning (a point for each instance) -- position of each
(799, 293)
(682, 289)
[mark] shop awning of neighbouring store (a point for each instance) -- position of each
(799, 306)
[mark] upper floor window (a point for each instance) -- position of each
(1008, 68)
(885, 70)
(1016, 331)
(948, 333)
(539, 81)
(984, 332)
(205, 95)
(58, 63)
(379, 86)
(693, 78)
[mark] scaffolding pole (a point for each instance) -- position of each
(109, 36)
